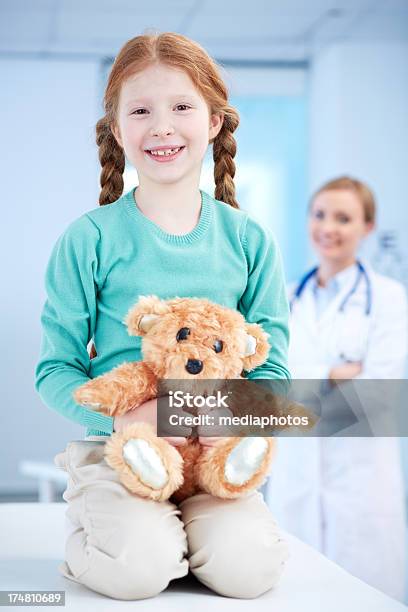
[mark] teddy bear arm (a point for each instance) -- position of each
(120, 390)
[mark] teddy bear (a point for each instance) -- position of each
(182, 339)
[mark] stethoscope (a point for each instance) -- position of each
(362, 275)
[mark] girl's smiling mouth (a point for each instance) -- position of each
(164, 154)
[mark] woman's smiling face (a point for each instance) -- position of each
(164, 124)
(337, 224)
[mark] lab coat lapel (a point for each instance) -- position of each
(304, 313)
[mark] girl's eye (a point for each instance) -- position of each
(182, 107)
(343, 219)
(218, 346)
(182, 334)
(139, 111)
(319, 214)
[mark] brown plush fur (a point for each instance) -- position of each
(131, 384)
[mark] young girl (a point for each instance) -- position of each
(164, 103)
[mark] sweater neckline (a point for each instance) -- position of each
(203, 223)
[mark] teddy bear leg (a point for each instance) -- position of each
(147, 465)
(234, 466)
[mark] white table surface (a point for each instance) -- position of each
(32, 540)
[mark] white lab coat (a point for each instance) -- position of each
(344, 495)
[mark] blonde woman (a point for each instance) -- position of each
(345, 495)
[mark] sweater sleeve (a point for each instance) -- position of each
(264, 300)
(68, 323)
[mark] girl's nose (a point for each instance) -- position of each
(162, 129)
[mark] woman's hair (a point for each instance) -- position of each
(178, 52)
(363, 192)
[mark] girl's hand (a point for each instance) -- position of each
(346, 371)
(207, 441)
(214, 428)
(146, 413)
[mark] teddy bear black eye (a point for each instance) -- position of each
(182, 334)
(218, 346)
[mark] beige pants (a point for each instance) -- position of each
(127, 547)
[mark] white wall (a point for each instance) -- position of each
(359, 124)
(48, 178)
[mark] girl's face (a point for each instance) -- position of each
(164, 125)
(337, 225)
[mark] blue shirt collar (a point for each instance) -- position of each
(338, 281)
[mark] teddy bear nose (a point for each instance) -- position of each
(194, 366)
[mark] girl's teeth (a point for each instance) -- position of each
(166, 151)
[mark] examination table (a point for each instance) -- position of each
(32, 539)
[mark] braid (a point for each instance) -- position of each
(224, 149)
(112, 160)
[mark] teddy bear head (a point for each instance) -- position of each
(185, 338)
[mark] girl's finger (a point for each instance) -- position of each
(176, 441)
(207, 441)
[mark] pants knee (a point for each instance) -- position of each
(245, 569)
(135, 558)
(118, 580)
(237, 554)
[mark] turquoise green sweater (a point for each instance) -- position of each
(112, 255)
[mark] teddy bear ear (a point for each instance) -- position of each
(257, 347)
(144, 314)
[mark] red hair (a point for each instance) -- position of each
(179, 52)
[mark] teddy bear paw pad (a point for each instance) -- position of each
(245, 460)
(145, 462)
